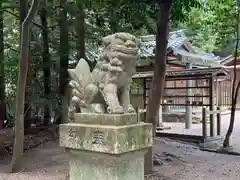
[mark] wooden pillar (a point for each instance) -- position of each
(144, 96)
(211, 108)
(160, 124)
(188, 112)
(204, 123)
(218, 121)
(218, 94)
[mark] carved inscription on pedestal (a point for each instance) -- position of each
(98, 138)
(73, 138)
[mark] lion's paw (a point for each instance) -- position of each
(115, 110)
(130, 109)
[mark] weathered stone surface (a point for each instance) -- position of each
(106, 88)
(106, 119)
(106, 139)
(95, 166)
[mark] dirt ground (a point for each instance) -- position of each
(176, 161)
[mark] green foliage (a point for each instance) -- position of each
(200, 28)
(181, 9)
(11, 57)
(137, 17)
(135, 85)
(212, 28)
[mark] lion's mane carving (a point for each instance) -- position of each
(106, 88)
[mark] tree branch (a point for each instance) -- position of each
(36, 24)
(15, 15)
(31, 13)
(14, 50)
(10, 5)
(8, 46)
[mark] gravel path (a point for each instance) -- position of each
(177, 161)
(48, 162)
(193, 164)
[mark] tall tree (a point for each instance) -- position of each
(235, 90)
(165, 7)
(21, 85)
(23, 10)
(80, 30)
(64, 52)
(2, 83)
(46, 63)
(28, 93)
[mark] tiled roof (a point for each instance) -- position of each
(175, 43)
(205, 55)
(218, 71)
(148, 43)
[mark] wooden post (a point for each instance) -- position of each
(204, 123)
(221, 94)
(218, 121)
(217, 92)
(160, 124)
(144, 97)
(188, 112)
(138, 114)
(211, 103)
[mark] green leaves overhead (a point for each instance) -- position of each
(213, 27)
(210, 28)
(134, 16)
(181, 7)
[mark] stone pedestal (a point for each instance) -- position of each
(113, 150)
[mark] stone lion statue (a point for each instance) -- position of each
(106, 88)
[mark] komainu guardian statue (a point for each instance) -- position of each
(106, 88)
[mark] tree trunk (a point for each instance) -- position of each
(21, 85)
(46, 65)
(23, 9)
(2, 83)
(64, 50)
(80, 31)
(226, 142)
(159, 73)
(114, 24)
(27, 104)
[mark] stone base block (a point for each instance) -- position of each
(86, 165)
(106, 119)
(113, 150)
(106, 139)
